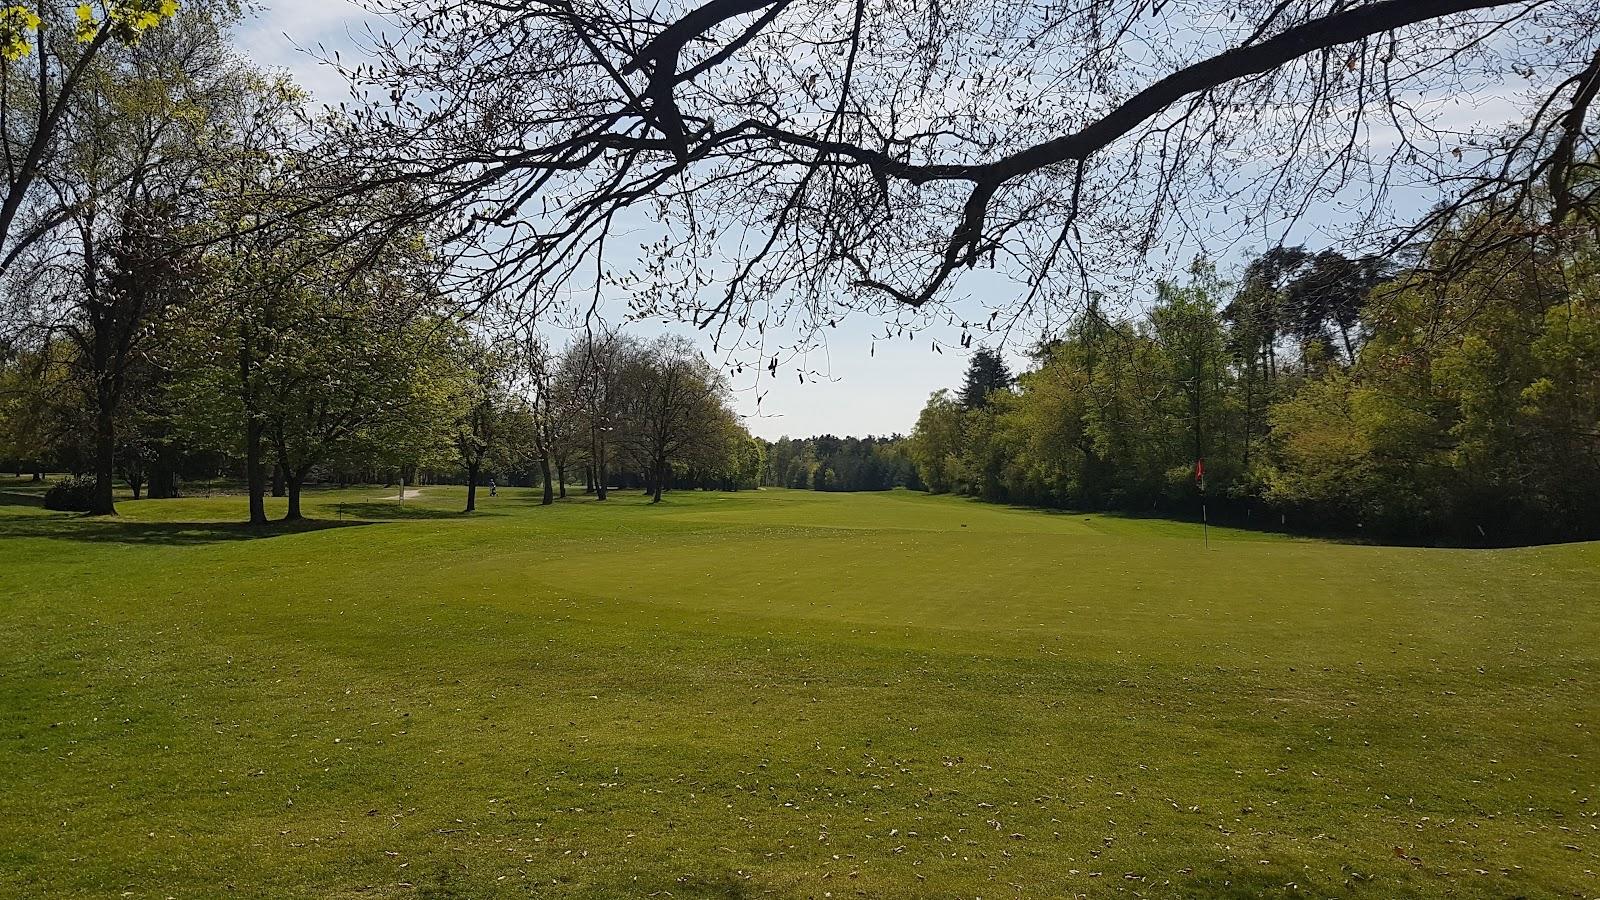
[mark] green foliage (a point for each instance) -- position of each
(1461, 406)
(829, 463)
(987, 375)
(936, 443)
(72, 494)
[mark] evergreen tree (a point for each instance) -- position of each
(986, 374)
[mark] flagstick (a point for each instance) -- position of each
(1205, 523)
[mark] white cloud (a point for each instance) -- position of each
(292, 34)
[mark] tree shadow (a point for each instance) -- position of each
(18, 498)
(380, 511)
(173, 534)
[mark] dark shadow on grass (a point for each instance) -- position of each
(173, 534)
(380, 511)
(18, 498)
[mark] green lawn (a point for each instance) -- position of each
(783, 694)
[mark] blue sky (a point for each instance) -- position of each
(871, 390)
(871, 387)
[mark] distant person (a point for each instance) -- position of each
(492, 488)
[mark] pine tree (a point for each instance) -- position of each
(986, 374)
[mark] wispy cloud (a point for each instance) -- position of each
(287, 34)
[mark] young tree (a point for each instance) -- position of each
(483, 405)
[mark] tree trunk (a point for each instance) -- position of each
(561, 479)
(600, 471)
(472, 487)
(105, 456)
(588, 479)
(160, 477)
(255, 475)
(294, 483)
(549, 489)
(277, 479)
(658, 476)
(136, 483)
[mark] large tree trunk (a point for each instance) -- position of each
(549, 489)
(105, 459)
(294, 483)
(255, 475)
(472, 487)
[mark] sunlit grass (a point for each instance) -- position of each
(782, 694)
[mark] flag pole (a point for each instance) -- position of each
(1205, 520)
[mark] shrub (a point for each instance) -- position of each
(74, 494)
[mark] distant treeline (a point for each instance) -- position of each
(828, 463)
(1455, 399)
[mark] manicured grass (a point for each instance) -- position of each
(783, 694)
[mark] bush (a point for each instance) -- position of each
(75, 494)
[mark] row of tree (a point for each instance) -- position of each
(828, 463)
(1456, 398)
(192, 290)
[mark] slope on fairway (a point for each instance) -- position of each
(782, 694)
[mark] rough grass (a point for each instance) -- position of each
(782, 694)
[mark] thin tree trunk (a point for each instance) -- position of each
(278, 486)
(561, 479)
(255, 475)
(660, 475)
(549, 489)
(472, 487)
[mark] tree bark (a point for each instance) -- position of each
(294, 483)
(472, 487)
(255, 475)
(160, 475)
(277, 479)
(561, 479)
(105, 456)
(549, 489)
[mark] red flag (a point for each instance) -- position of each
(1200, 473)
